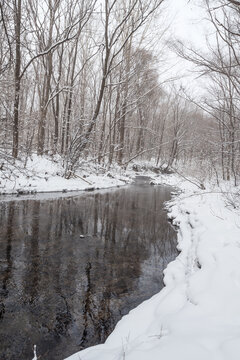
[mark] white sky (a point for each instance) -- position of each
(188, 23)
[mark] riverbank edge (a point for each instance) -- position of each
(178, 321)
(44, 174)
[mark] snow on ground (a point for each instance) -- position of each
(42, 174)
(197, 314)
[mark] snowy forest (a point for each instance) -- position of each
(119, 179)
(86, 81)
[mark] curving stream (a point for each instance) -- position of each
(72, 266)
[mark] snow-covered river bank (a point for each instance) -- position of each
(43, 175)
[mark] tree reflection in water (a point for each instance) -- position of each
(64, 292)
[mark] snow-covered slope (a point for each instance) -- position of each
(197, 315)
(45, 174)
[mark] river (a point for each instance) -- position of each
(71, 266)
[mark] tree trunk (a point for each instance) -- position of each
(17, 79)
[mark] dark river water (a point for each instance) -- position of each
(71, 267)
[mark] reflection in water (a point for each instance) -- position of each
(70, 268)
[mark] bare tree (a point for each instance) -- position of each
(221, 66)
(117, 22)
